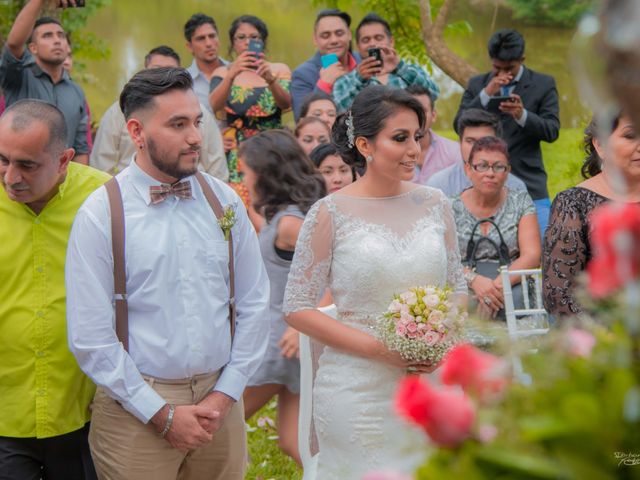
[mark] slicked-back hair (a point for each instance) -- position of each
(371, 18)
(369, 113)
(197, 20)
(506, 45)
(44, 21)
(476, 117)
(163, 50)
(285, 175)
(144, 86)
(24, 113)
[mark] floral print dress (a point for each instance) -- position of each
(250, 110)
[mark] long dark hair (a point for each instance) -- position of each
(592, 165)
(285, 175)
(369, 111)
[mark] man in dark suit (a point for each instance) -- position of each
(527, 103)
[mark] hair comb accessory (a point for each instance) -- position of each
(350, 129)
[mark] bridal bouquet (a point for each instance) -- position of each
(422, 324)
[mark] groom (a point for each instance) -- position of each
(170, 376)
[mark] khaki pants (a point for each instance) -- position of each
(123, 448)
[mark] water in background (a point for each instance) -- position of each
(132, 28)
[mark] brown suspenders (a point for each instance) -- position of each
(119, 275)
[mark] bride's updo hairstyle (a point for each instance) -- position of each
(368, 114)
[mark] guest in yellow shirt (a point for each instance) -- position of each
(44, 396)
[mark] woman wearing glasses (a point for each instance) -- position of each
(251, 92)
(513, 215)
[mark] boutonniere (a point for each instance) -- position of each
(227, 221)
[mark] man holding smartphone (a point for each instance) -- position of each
(333, 59)
(380, 65)
(527, 103)
(37, 71)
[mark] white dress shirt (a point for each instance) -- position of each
(178, 293)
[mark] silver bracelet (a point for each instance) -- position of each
(167, 426)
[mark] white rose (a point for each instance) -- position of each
(431, 300)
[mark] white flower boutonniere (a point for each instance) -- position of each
(227, 221)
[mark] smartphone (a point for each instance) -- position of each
(256, 47)
(377, 53)
(79, 4)
(494, 102)
(328, 59)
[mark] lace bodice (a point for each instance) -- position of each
(367, 249)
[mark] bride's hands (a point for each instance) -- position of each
(391, 357)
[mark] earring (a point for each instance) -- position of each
(369, 158)
(141, 146)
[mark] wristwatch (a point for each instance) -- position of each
(469, 277)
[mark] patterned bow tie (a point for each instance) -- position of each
(159, 193)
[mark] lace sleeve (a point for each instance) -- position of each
(311, 264)
(455, 276)
(564, 254)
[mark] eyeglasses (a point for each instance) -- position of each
(484, 167)
(242, 37)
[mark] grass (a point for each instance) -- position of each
(562, 159)
(267, 462)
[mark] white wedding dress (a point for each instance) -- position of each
(365, 250)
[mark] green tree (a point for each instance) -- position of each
(561, 13)
(85, 45)
(430, 18)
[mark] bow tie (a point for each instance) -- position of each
(159, 193)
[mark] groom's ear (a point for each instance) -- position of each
(364, 146)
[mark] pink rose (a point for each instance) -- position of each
(446, 414)
(579, 342)
(615, 235)
(422, 327)
(401, 330)
(475, 371)
(431, 338)
(412, 334)
(406, 317)
(412, 327)
(436, 316)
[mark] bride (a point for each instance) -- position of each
(375, 237)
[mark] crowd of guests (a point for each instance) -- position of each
(493, 175)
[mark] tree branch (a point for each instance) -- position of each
(441, 19)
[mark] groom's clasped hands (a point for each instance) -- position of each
(194, 426)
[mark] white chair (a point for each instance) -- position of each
(310, 352)
(530, 321)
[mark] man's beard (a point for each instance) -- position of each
(161, 161)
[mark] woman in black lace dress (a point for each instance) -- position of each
(567, 247)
